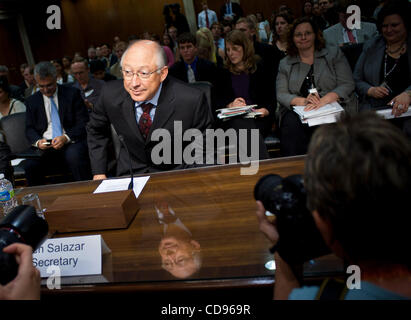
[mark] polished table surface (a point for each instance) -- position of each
(211, 238)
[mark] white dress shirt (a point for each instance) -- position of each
(212, 17)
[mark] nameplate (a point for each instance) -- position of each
(74, 256)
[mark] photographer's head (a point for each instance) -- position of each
(358, 181)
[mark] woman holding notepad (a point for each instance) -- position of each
(313, 76)
(244, 82)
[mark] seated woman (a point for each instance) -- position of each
(62, 76)
(8, 105)
(206, 48)
(245, 81)
(309, 64)
(383, 72)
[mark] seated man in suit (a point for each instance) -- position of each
(137, 106)
(340, 34)
(192, 68)
(89, 87)
(55, 124)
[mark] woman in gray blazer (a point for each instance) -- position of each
(309, 64)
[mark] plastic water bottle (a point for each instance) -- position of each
(7, 200)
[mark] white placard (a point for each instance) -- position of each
(111, 185)
(75, 256)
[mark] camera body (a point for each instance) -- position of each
(21, 225)
(299, 238)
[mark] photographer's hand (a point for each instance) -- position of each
(26, 285)
(268, 228)
(285, 278)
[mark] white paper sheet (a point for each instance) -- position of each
(386, 113)
(111, 185)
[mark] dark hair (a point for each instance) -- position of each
(186, 37)
(4, 84)
(319, 42)
(358, 178)
(81, 60)
(97, 65)
(286, 17)
(64, 74)
(401, 8)
(171, 45)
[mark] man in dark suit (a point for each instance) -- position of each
(230, 11)
(191, 68)
(55, 124)
(146, 100)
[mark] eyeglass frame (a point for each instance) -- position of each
(138, 73)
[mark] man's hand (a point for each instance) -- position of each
(26, 285)
(269, 229)
(99, 177)
(59, 142)
(43, 145)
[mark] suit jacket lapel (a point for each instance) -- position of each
(165, 108)
(127, 108)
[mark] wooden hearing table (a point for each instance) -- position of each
(212, 216)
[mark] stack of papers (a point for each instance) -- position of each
(386, 113)
(326, 114)
(246, 111)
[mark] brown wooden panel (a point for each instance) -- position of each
(11, 53)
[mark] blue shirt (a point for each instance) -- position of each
(153, 101)
(368, 291)
(193, 66)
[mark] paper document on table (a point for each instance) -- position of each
(387, 113)
(111, 185)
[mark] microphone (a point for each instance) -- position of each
(131, 185)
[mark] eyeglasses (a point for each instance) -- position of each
(305, 34)
(129, 75)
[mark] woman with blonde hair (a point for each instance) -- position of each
(205, 46)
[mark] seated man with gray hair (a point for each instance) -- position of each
(56, 118)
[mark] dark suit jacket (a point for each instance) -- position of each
(206, 71)
(72, 110)
(236, 8)
(177, 102)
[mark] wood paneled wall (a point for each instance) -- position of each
(86, 22)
